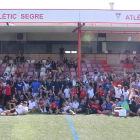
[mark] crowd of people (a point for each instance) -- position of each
(59, 92)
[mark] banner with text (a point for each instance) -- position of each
(108, 16)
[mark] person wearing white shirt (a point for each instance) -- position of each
(91, 92)
(19, 110)
(95, 76)
(85, 77)
(26, 86)
(67, 92)
(66, 109)
(31, 105)
(118, 91)
(74, 82)
(125, 92)
(69, 103)
(75, 104)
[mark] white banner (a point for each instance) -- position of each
(108, 16)
(39, 16)
(111, 16)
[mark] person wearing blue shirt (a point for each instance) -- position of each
(20, 85)
(51, 96)
(107, 84)
(35, 85)
(57, 100)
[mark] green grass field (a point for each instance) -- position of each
(56, 127)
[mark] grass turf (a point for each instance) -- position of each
(56, 127)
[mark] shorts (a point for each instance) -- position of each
(83, 109)
(47, 108)
(53, 109)
(7, 97)
(68, 111)
(13, 111)
(93, 110)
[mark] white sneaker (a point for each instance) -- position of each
(41, 110)
(45, 110)
(3, 114)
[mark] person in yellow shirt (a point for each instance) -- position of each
(61, 68)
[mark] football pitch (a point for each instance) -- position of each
(64, 127)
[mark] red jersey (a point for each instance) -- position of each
(8, 90)
(100, 93)
(53, 105)
(16, 72)
(1, 89)
(117, 83)
(82, 94)
(96, 106)
(41, 103)
(74, 92)
(111, 93)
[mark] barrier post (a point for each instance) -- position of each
(79, 50)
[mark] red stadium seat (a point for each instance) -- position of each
(105, 65)
(107, 69)
(104, 62)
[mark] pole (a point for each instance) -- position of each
(79, 50)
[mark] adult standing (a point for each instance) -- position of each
(62, 52)
(35, 85)
(20, 85)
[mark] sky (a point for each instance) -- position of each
(70, 4)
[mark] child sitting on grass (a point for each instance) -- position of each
(41, 106)
(54, 108)
(46, 102)
(12, 102)
(75, 105)
(66, 109)
(115, 105)
(31, 105)
(106, 106)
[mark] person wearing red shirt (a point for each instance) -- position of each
(41, 106)
(8, 93)
(100, 92)
(94, 107)
(1, 90)
(74, 92)
(53, 108)
(82, 93)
